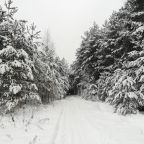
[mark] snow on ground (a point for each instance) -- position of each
(71, 121)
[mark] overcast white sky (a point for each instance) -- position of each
(66, 20)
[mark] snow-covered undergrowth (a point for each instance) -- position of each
(29, 125)
(71, 121)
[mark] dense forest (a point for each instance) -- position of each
(109, 63)
(30, 71)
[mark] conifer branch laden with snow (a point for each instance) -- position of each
(124, 95)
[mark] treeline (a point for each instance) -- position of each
(30, 71)
(109, 64)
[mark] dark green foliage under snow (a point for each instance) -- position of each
(29, 69)
(112, 59)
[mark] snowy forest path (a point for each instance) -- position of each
(74, 126)
(86, 122)
(71, 121)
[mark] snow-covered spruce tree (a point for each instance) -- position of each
(103, 85)
(44, 64)
(65, 72)
(51, 72)
(60, 78)
(135, 66)
(88, 64)
(124, 31)
(94, 57)
(89, 55)
(124, 34)
(124, 95)
(16, 60)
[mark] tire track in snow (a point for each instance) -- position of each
(80, 123)
(57, 127)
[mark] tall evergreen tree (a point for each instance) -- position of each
(17, 50)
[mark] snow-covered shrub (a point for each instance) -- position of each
(92, 92)
(33, 98)
(87, 91)
(124, 95)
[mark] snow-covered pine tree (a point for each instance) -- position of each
(126, 31)
(16, 63)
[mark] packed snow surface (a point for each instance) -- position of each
(71, 121)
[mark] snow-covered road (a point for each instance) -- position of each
(85, 122)
(77, 124)
(73, 121)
